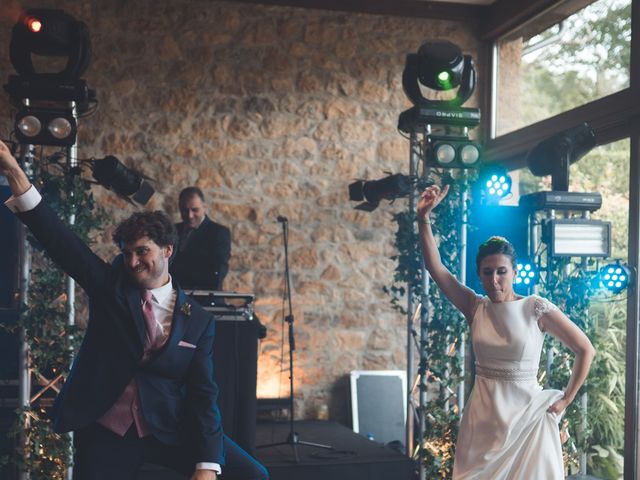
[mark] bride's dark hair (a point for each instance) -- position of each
(496, 246)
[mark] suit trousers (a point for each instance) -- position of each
(101, 454)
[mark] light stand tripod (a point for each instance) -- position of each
(292, 438)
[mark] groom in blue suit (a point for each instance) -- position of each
(141, 388)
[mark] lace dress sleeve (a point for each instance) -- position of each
(542, 306)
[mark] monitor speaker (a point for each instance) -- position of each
(378, 404)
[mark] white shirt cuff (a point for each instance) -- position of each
(25, 202)
(209, 466)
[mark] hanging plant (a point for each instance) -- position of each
(444, 324)
(601, 433)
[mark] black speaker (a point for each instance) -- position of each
(378, 404)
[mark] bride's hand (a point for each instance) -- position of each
(430, 199)
(559, 406)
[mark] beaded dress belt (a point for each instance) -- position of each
(507, 374)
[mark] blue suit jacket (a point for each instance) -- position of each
(176, 387)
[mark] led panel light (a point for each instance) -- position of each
(578, 238)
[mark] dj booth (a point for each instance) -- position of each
(235, 360)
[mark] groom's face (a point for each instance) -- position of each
(147, 263)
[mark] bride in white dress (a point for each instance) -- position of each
(509, 428)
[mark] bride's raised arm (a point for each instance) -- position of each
(458, 294)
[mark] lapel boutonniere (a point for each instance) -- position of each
(186, 308)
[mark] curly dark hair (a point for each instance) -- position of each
(155, 225)
(496, 246)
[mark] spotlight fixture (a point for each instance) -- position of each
(555, 155)
(577, 237)
(441, 66)
(495, 183)
(45, 127)
(438, 66)
(50, 33)
(129, 184)
(615, 277)
(527, 274)
(452, 152)
(373, 191)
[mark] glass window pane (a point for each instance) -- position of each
(604, 169)
(562, 60)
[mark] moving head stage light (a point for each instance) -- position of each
(439, 66)
(555, 155)
(48, 36)
(50, 33)
(574, 236)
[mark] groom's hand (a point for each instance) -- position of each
(7, 162)
(10, 168)
(204, 475)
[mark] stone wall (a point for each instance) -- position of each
(271, 111)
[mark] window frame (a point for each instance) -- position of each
(613, 118)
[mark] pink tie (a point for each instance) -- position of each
(150, 320)
(127, 409)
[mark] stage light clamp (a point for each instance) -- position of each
(421, 116)
(42, 88)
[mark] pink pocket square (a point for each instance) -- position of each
(182, 343)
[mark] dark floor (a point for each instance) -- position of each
(352, 456)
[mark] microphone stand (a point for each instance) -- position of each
(292, 439)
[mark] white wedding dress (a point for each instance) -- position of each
(506, 432)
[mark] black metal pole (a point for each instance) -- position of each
(292, 342)
(292, 438)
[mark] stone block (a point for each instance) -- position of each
(330, 274)
(350, 340)
(394, 149)
(342, 108)
(300, 148)
(322, 33)
(279, 125)
(376, 361)
(379, 340)
(326, 132)
(304, 258)
(357, 131)
(374, 92)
